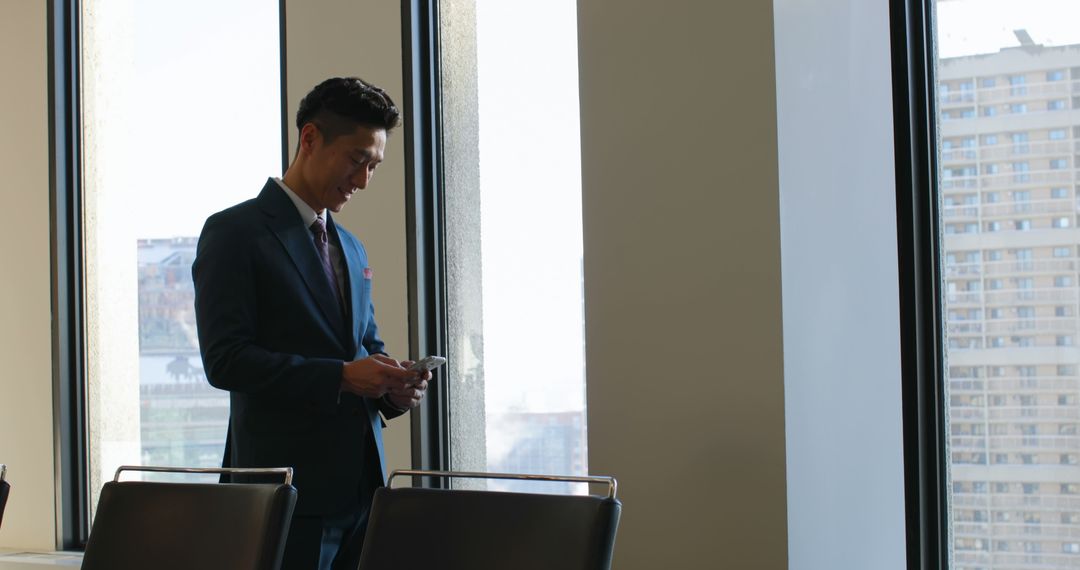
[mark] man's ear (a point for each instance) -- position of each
(309, 135)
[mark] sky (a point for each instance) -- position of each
(969, 27)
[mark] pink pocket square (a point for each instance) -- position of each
(368, 273)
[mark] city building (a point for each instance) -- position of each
(182, 419)
(1009, 130)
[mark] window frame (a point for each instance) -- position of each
(425, 210)
(71, 475)
(921, 318)
(424, 222)
(69, 380)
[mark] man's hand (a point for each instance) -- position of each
(376, 376)
(409, 396)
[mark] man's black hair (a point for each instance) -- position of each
(339, 104)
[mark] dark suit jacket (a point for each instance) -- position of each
(271, 334)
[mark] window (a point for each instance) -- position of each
(1020, 171)
(148, 100)
(1017, 85)
(505, 417)
(1032, 321)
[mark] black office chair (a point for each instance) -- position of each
(5, 490)
(425, 529)
(184, 526)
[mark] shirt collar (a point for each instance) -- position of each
(307, 214)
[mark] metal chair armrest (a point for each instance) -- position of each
(287, 472)
(612, 484)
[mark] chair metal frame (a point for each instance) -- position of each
(612, 484)
(286, 472)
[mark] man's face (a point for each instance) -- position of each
(337, 169)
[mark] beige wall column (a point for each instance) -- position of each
(26, 407)
(682, 279)
(348, 38)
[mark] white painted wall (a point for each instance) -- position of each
(26, 433)
(348, 38)
(682, 279)
(841, 315)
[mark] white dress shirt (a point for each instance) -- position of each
(308, 215)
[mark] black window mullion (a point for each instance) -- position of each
(922, 349)
(425, 227)
(69, 386)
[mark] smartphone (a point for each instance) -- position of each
(428, 363)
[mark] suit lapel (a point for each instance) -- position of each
(286, 225)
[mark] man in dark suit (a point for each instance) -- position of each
(286, 324)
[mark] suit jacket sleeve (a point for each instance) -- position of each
(375, 345)
(227, 320)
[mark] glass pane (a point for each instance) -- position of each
(181, 118)
(1009, 119)
(513, 201)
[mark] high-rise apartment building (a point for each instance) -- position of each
(1009, 151)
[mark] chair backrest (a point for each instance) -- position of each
(5, 490)
(413, 529)
(208, 526)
